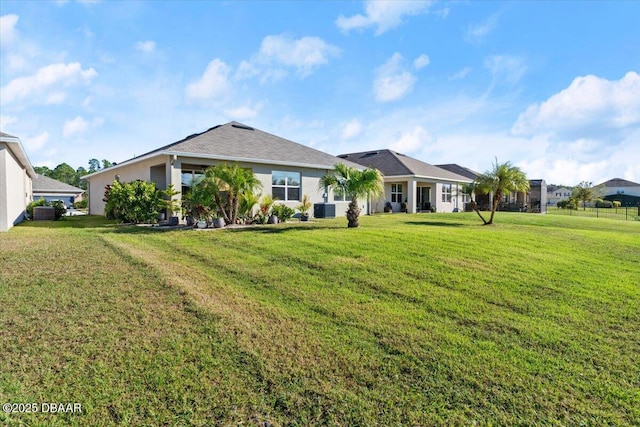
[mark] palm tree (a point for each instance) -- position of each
(354, 183)
(227, 183)
(503, 179)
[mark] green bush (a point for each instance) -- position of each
(60, 209)
(135, 202)
(82, 204)
(568, 204)
(284, 213)
(30, 206)
(607, 204)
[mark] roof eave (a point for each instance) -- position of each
(18, 150)
(437, 178)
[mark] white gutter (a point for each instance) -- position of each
(435, 178)
(16, 148)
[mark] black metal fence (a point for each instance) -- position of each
(622, 213)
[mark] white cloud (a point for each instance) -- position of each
(54, 74)
(352, 129)
(7, 121)
(421, 61)
(8, 30)
(475, 33)
(213, 83)
(411, 141)
(56, 98)
(277, 52)
(243, 112)
(74, 126)
(461, 74)
(506, 68)
(37, 142)
(392, 82)
(383, 14)
(590, 105)
(146, 46)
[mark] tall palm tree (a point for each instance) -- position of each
(228, 183)
(354, 183)
(504, 178)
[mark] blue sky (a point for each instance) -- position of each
(553, 87)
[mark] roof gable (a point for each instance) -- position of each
(392, 163)
(619, 182)
(42, 184)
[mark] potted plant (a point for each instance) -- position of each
(387, 207)
(201, 213)
(403, 207)
(264, 216)
(218, 222)
(304, 207)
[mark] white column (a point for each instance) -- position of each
(411, 196)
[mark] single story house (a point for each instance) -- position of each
(51, 189)
(534, 200)
(625, 191)
(561, 193)
(418, 184)
(286, 169)
(16, 175)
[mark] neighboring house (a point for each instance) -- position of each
(483, 200)
(562, 193)
(421, 185)
(534, 200)
(16, 174)
(52, 189)
(627, 192)
(286, 169)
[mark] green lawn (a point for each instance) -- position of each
(422, 320)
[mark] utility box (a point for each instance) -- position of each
(44, 213)
(324, 210)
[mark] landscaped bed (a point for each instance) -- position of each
(408, 320)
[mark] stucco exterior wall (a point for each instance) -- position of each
(310, 179)
(126, 173)
(15, 189)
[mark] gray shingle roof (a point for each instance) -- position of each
(391, 163)
(460, 170)
(619, 182)
(238, 141)
(44, 184)
(6, 135)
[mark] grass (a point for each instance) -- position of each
(410, 320)
(622, 213)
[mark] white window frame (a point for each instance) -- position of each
(287, 184)
(447, 192)
(396, 193)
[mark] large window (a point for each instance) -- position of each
(396, 193)
(285, 185)
(190, 177)
(446, 193)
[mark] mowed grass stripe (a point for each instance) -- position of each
(416, 319)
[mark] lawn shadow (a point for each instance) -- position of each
(437, 223)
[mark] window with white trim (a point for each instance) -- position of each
(396, 193)
(285, 185)
(446, 193)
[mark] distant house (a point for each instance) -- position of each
(625, 191)
(52, 189)
(562, 193)
(16, 175)
(286, 169)
(421, 185)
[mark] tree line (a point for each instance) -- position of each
(65, 173)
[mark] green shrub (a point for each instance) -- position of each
(617, 204)
(82, 204)
(30, 206)
(135, 202)
(283, 212)
(568, 204)
(60, 209)
(607, 204)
